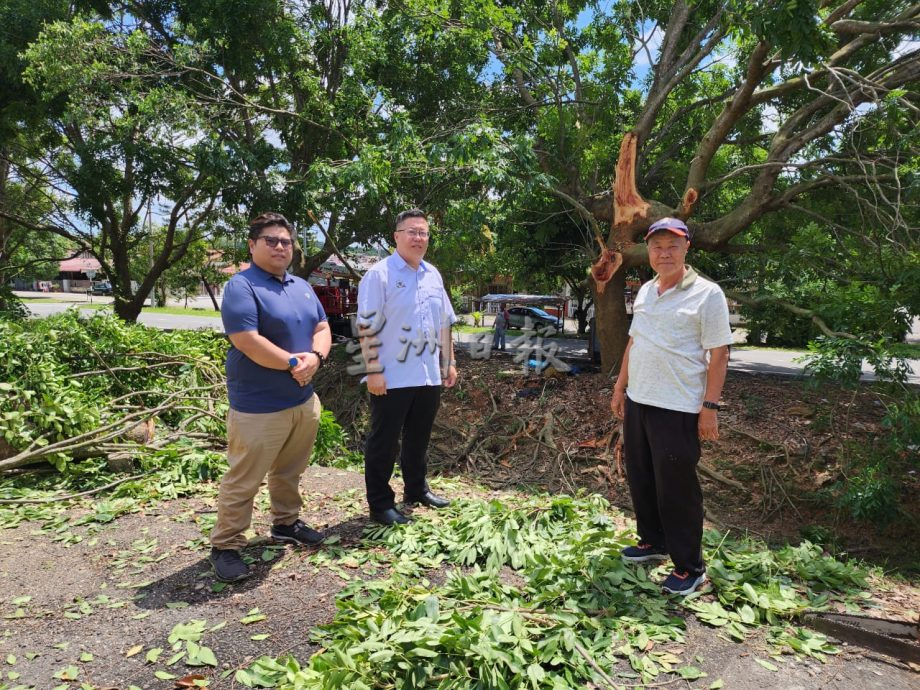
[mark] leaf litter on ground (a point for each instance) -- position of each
(534, 594)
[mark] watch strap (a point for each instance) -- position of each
(709, 405)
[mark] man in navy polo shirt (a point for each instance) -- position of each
(280, 338)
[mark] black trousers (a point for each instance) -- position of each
(407, 414)
(662, 449)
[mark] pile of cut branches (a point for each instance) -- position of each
(73, 388)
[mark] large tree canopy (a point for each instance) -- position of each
(782, 132)
(721, 113)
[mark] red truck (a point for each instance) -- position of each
(340, 303)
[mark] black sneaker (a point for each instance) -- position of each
(683, 583)
(643, 552)
(228, 565)
(298, 533)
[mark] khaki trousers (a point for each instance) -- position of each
(275, 446)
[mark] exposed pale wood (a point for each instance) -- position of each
(628, 204)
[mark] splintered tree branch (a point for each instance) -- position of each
(628, 204)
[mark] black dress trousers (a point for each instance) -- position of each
(407, 415)
(662, 449)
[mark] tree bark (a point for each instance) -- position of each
(612, 321)
(207, 287)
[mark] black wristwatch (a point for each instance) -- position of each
(709, 405)
(322, 359)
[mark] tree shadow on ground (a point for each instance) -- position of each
(180, 585)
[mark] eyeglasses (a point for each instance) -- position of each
(420, 234)
(275, 241)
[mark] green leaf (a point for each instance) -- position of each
(766, 664)
(423, 652)
(163, 675)
(254, 617)
(690, 673)
(154, 654)
(536, 674)
(68, 673)
(717, 685)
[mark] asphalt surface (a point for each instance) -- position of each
(752, 360)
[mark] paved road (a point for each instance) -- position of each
(778, 362)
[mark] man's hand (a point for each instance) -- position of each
(709, 425)
(618, 402)
(376, 384)
(307, 365)
(451, 380)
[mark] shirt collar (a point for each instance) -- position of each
(401, 263)
(265, 275)
(689, 278)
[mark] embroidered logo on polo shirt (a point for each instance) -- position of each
(307, 295)
(400, 284)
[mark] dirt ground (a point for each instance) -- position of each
(102, 599)
(786, 450)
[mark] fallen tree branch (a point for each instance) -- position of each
(719, 477)
(795, 309)
(69, 497)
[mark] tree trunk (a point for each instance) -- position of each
(612, 322)
(207, 287)
(128, 308)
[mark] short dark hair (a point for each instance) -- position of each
(265, 220)
(410, 213)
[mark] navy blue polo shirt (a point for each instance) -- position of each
(287, 312)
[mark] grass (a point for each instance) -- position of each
(770, 349)
(464, 328)
(907, 350)
(182, 311)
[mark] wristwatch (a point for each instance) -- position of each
(292, 362)
(320, 357)
(709, 405)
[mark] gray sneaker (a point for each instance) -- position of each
(228, 565)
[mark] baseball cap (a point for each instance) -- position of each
(675, 225)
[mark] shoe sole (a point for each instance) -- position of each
(388, 524)
(296, 542)
(645, 559)
(687, 592)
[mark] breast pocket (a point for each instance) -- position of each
(683, 328)
(433, 299)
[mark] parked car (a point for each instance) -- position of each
(538, 317)
(102, 288)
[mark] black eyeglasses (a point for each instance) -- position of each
(275, 241)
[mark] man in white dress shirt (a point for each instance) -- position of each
(404, 320)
